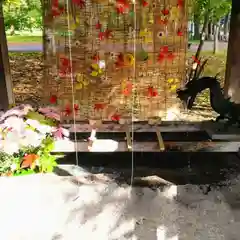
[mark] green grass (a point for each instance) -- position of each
(24, 39)
(194, 41)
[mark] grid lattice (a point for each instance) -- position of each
(124, 62)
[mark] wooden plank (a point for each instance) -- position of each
(113, 146)
(137, 127)
(6, 93)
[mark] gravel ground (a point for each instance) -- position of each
(53, 207)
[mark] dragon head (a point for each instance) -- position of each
(194, 85)
(187, 95)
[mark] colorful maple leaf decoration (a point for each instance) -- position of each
(180, 3)
(173, 84)
(65, 66)
(162, 21)
(152, 92)
(79, 3)
(165, 54)
(144, 3)
(101, 35)
(56, 10)
(122, 6)
(108, 33)
(67, 110)
(99, 106)
(105, 34)
(96, 57)
(53, 99)
(120, 60)
(98, 25)
(115, 117)
(196, 60)
(126, 88)
(28, 160)
(165, 12)
(76, 107)
(180, 33)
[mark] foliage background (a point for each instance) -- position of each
(22, 14)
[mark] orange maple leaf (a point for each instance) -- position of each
(28, 160)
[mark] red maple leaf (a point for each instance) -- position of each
(101, 35)
(164, 53)
(180, 3)
(55, 3)
(64, 61)
(76, 107)
(122, 6)
(99, 106)
(195, 60)
(144, 3)
(115, 117)
(170, 56)
(161, 57)
(67, 110)
(179, 33)
(79, 3)
(152, 92)
(56, 9)
(164, 49)
(120, 60)
(28, 160)
(98, 25)
(65, 66)
(108, 33)
(53, 99)
(165, 12)
(96, 57)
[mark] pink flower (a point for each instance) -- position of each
(60, 133)
(50, 112)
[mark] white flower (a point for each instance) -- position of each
(40, 127)
(10, 147)
(32, 138)
(13, 136)
(15, 123)
(13, 167)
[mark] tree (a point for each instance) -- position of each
(22, 14)
(206, 11)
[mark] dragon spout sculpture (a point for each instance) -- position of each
(226, 109)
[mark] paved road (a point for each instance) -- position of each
(35, 47)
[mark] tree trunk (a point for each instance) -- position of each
(196, 29)
(6, 94)
(226, 26)
(216, 37)
(209, 28)
(202, 35)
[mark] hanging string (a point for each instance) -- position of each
(134, 84)
(72, 82)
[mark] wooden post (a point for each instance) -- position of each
(6, 93)
(232, 77)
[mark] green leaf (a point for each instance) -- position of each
(35, 116)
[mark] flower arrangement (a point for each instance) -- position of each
(27, 138)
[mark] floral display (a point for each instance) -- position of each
(27, 137)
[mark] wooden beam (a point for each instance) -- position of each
(66, 146)
(232, 77)
(6, 93)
